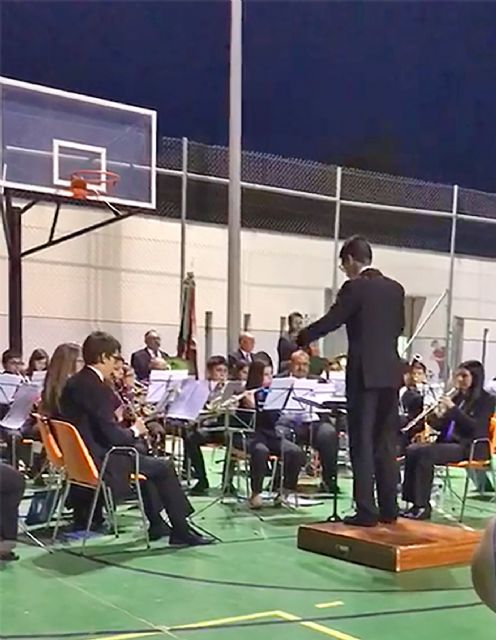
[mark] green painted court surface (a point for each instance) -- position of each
(253, 585)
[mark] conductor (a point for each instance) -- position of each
(372, 308)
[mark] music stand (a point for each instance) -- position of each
(20, 410)
(9, 384)
(162, 382)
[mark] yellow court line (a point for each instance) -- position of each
(220, 621)
(130, 636)
(326, 605)
(332, 633)
(283, 615)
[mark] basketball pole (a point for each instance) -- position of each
(234, 188)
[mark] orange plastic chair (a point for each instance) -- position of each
(485, 464)
(52, 449)
(81, 470)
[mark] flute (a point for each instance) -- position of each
(427, 411)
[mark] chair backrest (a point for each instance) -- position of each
(79, 465)
(52, 449)
(492, 433)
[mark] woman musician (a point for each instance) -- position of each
(459, 419)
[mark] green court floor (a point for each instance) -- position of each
(253, 585)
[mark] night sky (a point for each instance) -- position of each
(404, 87)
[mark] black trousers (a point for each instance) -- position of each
(194, 439)
(372, 428)
(162, 490)
(420, 460)
(11, 492)
(261, 447)
(323, 437)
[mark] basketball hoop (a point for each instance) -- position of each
(94, 181)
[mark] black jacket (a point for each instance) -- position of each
(87, 403)
(372, 308)
(471, 421)
(140, 362)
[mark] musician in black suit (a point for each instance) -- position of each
(459, 420)
(86, 402)
(244, 353)
(286, 344)
(372, 308)
(141, 360)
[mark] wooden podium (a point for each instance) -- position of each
(403, 546)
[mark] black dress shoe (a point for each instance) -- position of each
(359, 521)
(388, 519)
(159, 530)
(9, 556)
(419, 513)
(199, 489)
(188, 539)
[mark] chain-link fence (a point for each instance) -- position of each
(312, 199)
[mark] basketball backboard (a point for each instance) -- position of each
(48, 134)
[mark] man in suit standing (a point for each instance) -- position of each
(286, 345)
(87, 403)
(141, 360)
(372, 308)
(244, 352)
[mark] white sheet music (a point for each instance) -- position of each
(9, 384)
(278, 394)
(38, 378)
(302, 388)
(26, 396)
(163, 381)
(189, 401)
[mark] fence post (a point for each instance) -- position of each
(337, 224)
(184, 210)
(208, 335)
(247, 322)
(449, 306)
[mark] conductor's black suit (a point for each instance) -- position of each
(372, 308)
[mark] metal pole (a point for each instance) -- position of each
(209, 321)
(485, 335)
(184, 209)
(337, 224)
(14, 245)
(424, 322)
(247, 322)
(234, 189)
(449, 305)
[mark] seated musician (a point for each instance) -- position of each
(86, 403)
(141, 360)
(459, 420)
(195, 437)
(310, 429)
(240, 371)
(11, 492)
(267, 440)
(38, 361)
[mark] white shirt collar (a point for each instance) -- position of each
(368, 266)
(98, 373)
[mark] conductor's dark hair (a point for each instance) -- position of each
(99, 344)
(358, 248)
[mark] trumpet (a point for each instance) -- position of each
(427, 411)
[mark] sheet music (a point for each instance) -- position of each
(278, 394)
(302, 388)
(189, 401)
(338, 381)
(163, 381)
(38, 378)
(25, 398)
(9, 384)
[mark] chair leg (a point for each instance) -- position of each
(142, 511)
(110, 508)
(59, 512)
(92, 513)
(464, 499)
